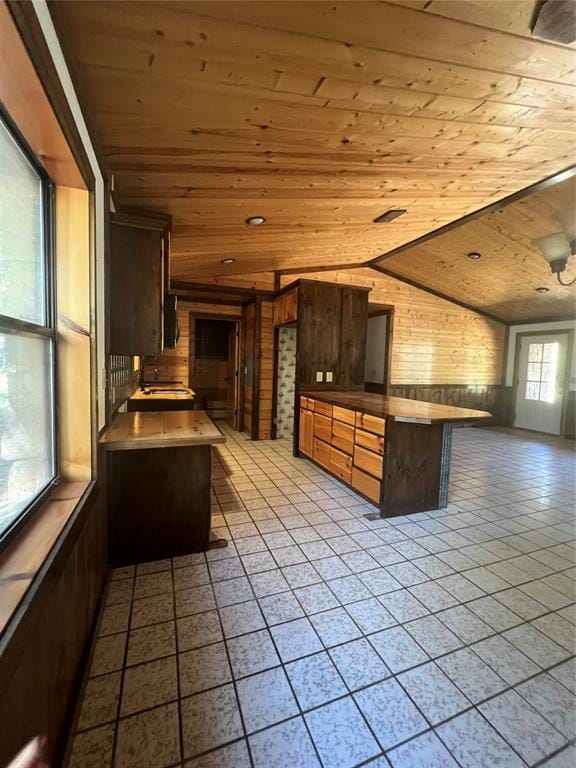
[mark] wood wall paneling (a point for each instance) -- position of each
(41, 666)
(318, 335)
(435, 341)
(318, 116)
(173, 364)
(266, 370)
(74, 326)
(353, 338)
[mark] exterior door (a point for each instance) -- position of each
(540, 383)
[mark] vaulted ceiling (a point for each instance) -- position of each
(319, 117)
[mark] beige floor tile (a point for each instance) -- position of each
(152, 610)
(203, 668)
(149, 685)
(92, 749)
(153, 642)
(150, 739)
(100, 701)
(108, 654)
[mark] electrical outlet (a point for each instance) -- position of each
(328, 376)
(319, 377)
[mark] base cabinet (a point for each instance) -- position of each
(158, 503)
(348, 444)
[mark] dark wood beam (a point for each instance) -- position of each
(323, 268)
(178, 286)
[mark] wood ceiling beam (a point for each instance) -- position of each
(178, 287)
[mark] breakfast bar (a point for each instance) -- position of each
(159, 470)
(393, 451)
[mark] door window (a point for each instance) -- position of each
(542, 369)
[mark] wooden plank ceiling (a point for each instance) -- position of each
(318, 116)
(503, 281)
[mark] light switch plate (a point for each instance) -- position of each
(319, 376)
(328, 376)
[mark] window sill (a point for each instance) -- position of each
(24, 557)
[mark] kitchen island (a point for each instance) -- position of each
(393, 451)
(158, 467)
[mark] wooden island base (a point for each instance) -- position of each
(159, 475)
(393, 451)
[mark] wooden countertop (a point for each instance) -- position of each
(399, 408)
(160, 429)
(147, 395)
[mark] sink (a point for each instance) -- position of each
(168, 392)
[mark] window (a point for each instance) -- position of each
(27, 333)
(541, 375)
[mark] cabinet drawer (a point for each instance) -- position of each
(370, 423)
(324, 408)
(368, 461)
(367, 485)
(343, 436)
(343, 414)
(321, 453)
(306, 402)
(370, 441)
(322, 427)
(341, 464)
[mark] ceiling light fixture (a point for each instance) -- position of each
(254, 221)
(559, 246)
(541, 289)
(389, 216)
(227, 261)
(474, 255)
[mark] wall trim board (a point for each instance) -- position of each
(30, 30)
(440, 295)
(179, 286)
(539, 186)
(325, 268)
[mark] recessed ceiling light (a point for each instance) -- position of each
(474, 255)
(390, 215)
(541, 289)
(227, 261)
(255, 220)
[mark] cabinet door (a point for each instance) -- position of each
(136, 289)
(306, 438)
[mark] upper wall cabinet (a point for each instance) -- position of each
(139, 258)
(286, 307)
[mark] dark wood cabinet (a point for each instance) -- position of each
(138, 271)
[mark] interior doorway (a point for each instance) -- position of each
(541, 381)
(213, 364)
(378, 348)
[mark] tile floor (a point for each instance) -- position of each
(320, 637)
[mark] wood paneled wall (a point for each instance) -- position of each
(42, 656)
(266, 370)
(172, 364)
(259, 367)
(434, 340)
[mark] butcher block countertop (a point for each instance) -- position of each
(399, 408)
(160, 429)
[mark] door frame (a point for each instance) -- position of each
(569, 333)
(239, 384)
(388, 310)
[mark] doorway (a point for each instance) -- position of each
(378, 348)
(213, 365)
(540, 379)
